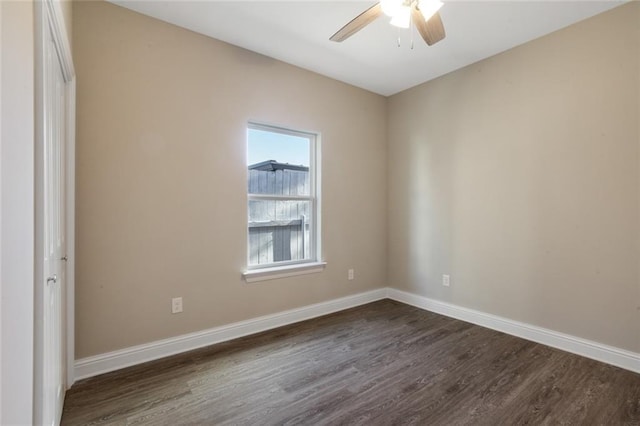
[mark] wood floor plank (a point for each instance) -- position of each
(384, 363)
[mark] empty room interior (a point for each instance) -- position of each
(315, 213)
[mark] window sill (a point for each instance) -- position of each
(283, 271)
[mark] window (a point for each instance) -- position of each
(282, 192)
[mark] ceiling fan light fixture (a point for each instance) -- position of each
(391, 7)
(406, 13)
(402, 18)
(429, 8)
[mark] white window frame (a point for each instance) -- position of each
(313, 264)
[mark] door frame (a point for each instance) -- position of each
(49, 16)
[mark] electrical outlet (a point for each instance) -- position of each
(445, 280)
(350, 274)
(176, 305)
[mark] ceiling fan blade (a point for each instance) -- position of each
(358, 23)
(432, 31)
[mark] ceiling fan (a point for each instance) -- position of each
(423, 13)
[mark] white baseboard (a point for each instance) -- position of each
(587, 348)
(99, 364)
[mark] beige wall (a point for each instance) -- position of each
(161, 179)
(519, 177)
(17, 252)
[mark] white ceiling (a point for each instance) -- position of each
(297, 32)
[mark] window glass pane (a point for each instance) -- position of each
(283, 148)
(279, 231)
(278, 163)
(281, 181)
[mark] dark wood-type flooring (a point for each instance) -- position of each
(384, 363)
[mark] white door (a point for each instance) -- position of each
(53, 203)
